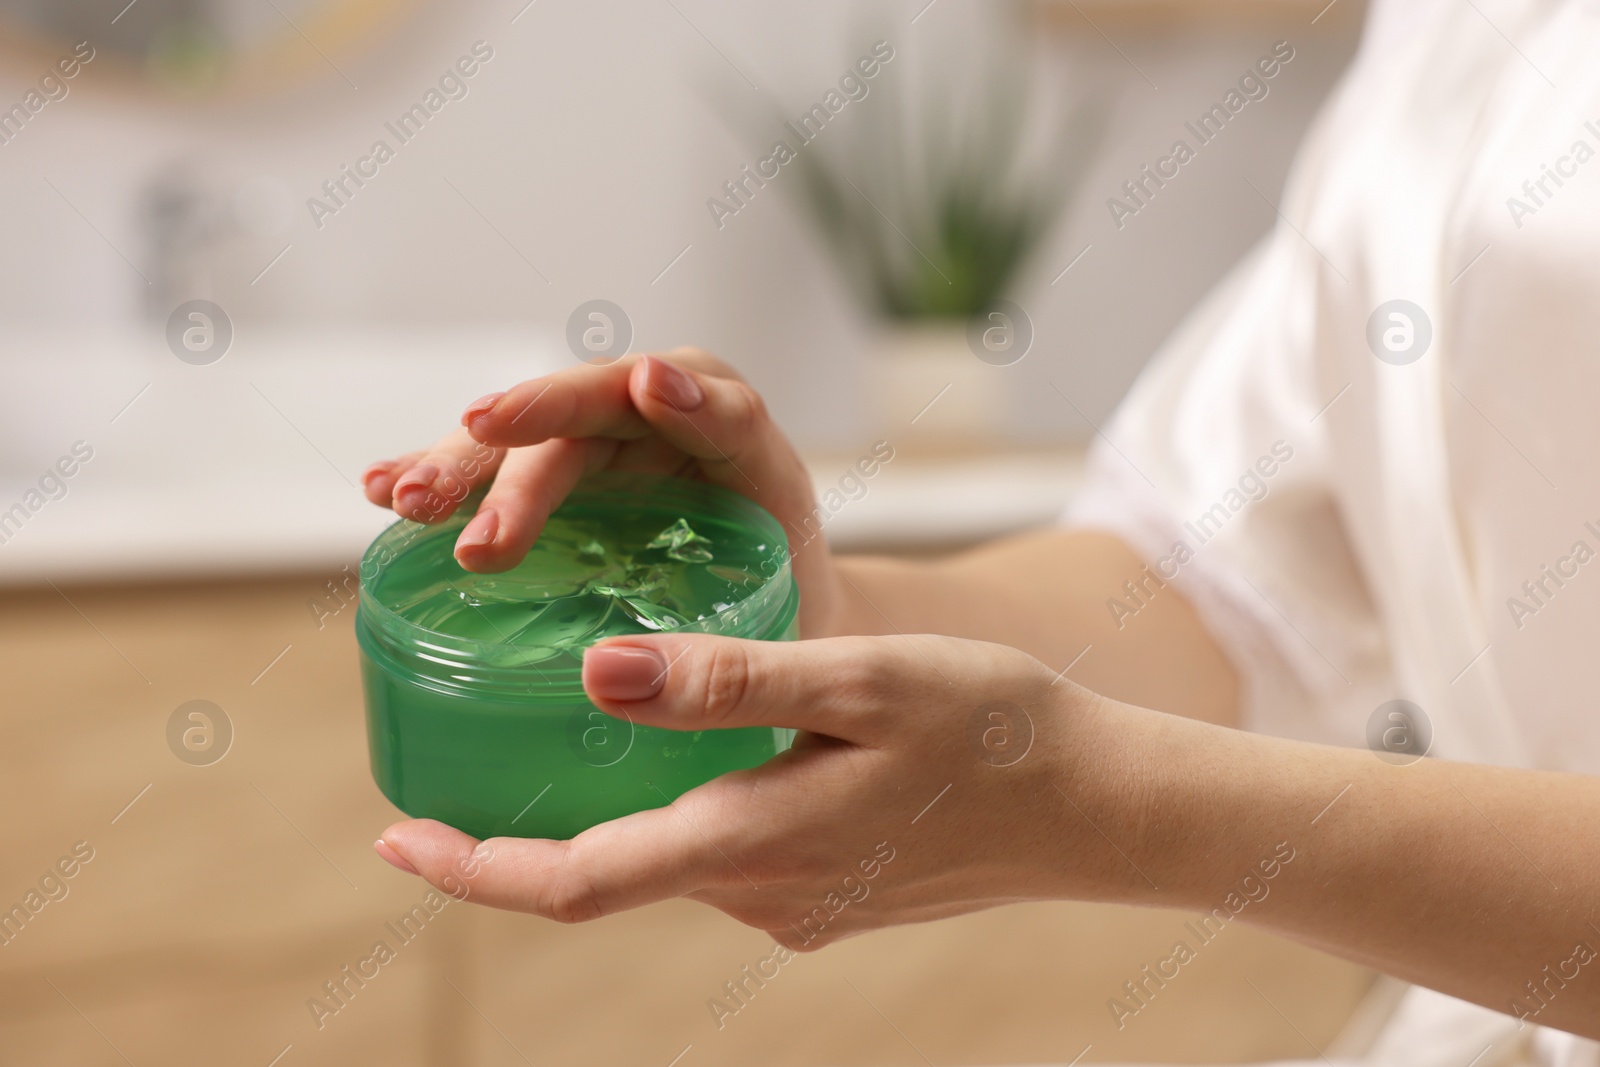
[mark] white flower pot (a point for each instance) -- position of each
(931, 391)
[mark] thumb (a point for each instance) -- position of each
(846, 687)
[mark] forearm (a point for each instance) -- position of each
(1047, 593)
(1477, 881)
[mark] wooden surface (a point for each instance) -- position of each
(224, 897)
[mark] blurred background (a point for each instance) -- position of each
(540, 155)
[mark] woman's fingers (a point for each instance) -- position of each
(723, 423)
(591, 401)
(428, 486)
(854, 688)
(377, 481)
(688, 402)
(531, 482)
(627, 863)
(583, 401)
(717, 418)
(536, 440)
(720, 421)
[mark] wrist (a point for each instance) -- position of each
(1146, 804)
(1099, 793)
(1223, 811)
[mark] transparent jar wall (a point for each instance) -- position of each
(496, 768)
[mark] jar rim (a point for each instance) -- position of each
(454, 663)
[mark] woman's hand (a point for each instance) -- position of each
(933, 776)
(684, 413)
(938, 776)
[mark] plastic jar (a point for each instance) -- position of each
(472, 722)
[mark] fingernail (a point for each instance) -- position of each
(381, 467)
(480, 531)
(623, 672)
(674, 385)
(386, 850)
(419, 477)
(480, 407)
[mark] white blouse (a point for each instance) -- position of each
(1377, 440)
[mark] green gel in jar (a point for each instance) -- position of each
(476, 714)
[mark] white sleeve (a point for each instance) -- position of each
(1216, 467)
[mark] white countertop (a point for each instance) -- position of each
(250, 465)
(925, 502)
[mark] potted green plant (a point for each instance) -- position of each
(932, 214)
